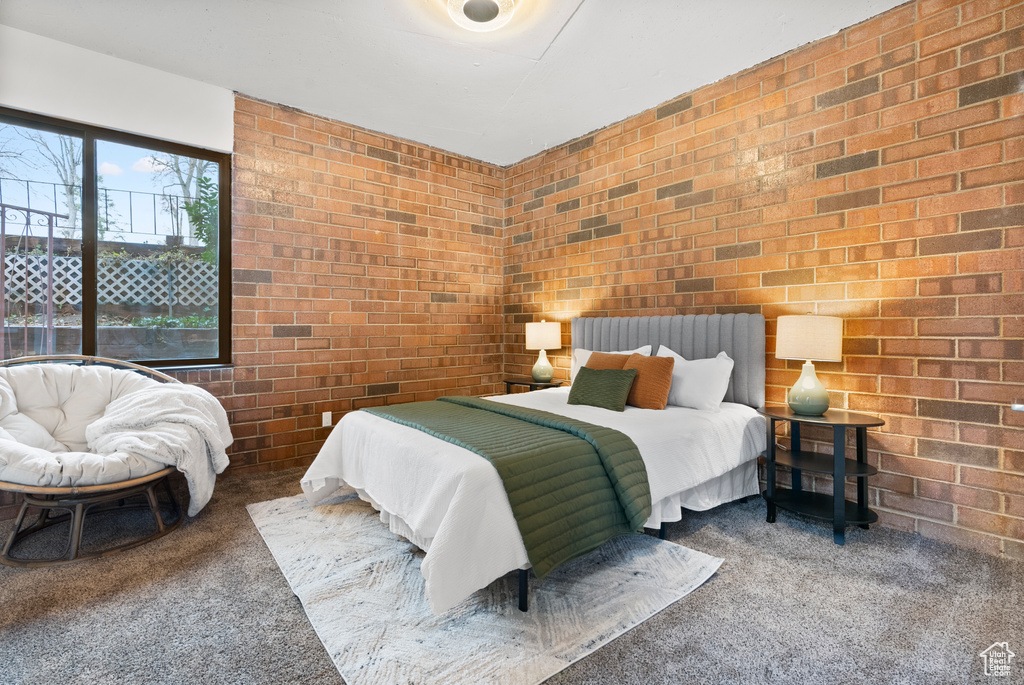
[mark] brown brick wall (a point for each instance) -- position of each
(876, 175)
(367, 269)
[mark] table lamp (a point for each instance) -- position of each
(546, 335)
(812, 339)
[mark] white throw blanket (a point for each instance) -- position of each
(174, 424)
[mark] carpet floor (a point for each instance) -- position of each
(208, 604)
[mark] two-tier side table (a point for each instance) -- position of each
(834, 507)
(529, 383)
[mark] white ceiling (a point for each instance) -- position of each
(558, 70)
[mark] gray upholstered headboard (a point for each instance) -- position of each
(695, 336)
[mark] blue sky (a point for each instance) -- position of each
(122, 168)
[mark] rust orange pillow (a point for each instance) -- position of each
(606, 360)
(653, 381)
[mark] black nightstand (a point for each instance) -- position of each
(832, 507)
(530, 383)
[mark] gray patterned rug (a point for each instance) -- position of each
(361, 588)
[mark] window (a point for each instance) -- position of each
(113, 245)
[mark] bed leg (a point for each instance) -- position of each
(523, 587)
(661, 532)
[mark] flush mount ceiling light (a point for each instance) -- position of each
(481, 15)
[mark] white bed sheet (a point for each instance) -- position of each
(450, 502)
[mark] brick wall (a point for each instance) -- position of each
(367, 269)
(876, 175)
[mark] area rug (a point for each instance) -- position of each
(361, 588)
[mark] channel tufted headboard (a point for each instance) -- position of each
(695, 336)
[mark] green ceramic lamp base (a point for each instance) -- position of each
(542, 370)
(808, 396)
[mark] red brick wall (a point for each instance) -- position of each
(876, 175)
(367, 269)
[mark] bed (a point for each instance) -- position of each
(450, 502)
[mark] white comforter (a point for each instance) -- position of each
(451, 503)
(174, 424)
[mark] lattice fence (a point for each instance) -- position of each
(120, 281)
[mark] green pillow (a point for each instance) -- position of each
(606, 388)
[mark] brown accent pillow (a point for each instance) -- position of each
(604, 360)
(653, 381)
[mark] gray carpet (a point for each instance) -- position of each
(207, 604)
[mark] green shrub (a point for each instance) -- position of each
(193, 321)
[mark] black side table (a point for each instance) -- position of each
(530, 383)
(832, 507)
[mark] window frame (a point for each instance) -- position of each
(90, 217)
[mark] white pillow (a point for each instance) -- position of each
(580, 357)
(698, 383)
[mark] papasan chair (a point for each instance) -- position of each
(85, 435)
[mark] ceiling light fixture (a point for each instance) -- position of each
(481, 15)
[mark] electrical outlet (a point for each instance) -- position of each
(327, 418)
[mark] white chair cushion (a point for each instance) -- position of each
(61, 400)
(44, 411)
(32, 466)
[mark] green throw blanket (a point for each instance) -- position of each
(572, 485)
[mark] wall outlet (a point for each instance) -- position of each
(327, 418)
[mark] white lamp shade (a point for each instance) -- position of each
(546, 335)
(809, 337)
